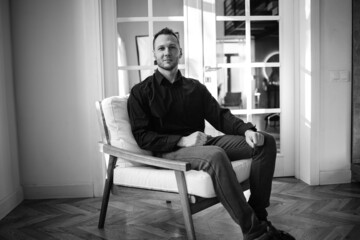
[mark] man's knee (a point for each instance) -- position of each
(216, 153)
(269, 148)
(269, 140)
(218, 160)
(217, 156)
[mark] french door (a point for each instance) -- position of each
(246, 63)
(240, 49)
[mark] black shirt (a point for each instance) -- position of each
(161, 112)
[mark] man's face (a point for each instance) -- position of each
(167, 52)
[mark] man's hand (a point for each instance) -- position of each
(194, 139)
(254, 138)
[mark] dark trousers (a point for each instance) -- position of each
(215, 158)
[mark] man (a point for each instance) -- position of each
(167, 114)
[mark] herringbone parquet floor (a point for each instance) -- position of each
(312, 213)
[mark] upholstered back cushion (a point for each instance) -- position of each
(117, 121)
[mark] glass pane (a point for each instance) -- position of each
(270, 123)
(178, 28)
(230, 7)
(230, 50)
(231, 88)
(134, 45)
(273, 88)
(262, 7)
(133, 8)
(163, 8)
(230, 28)
(266, 87)
(265, 39)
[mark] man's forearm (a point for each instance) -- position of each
(155, 142)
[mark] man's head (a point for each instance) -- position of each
(165, 31)
(166, 49)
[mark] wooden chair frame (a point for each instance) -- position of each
(179, 168)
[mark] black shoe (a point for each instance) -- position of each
(276, 234)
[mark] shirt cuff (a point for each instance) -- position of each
(247, 126)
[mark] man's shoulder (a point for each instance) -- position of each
(193, 82)
(196, 86)
(143, 85)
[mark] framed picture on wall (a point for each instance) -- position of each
(144, 56)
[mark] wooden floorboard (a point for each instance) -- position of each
(330, 212)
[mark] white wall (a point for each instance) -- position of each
(57, 80)
(324, 40)
(10, 189)
(335, 131)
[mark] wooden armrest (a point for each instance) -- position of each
(144, 159)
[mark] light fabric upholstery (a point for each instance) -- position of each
(129, 174)
(117, 121)
(199, 183)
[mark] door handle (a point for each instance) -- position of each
(211, 69)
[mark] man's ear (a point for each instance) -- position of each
(180, 53)
(155, 62)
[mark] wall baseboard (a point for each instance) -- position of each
(10, 202)
(64, 191)
(335, 177)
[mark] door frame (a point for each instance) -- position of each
(195, 49)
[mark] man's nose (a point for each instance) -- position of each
(167, 51)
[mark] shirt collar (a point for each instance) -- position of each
(162, 80)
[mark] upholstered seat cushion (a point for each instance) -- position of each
(199, 183)
(129, 174)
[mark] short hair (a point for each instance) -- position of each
(166, 31)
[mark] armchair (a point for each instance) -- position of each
(131, 167)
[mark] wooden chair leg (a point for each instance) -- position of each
(104, 204)
(189, 225)
(107, 189)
